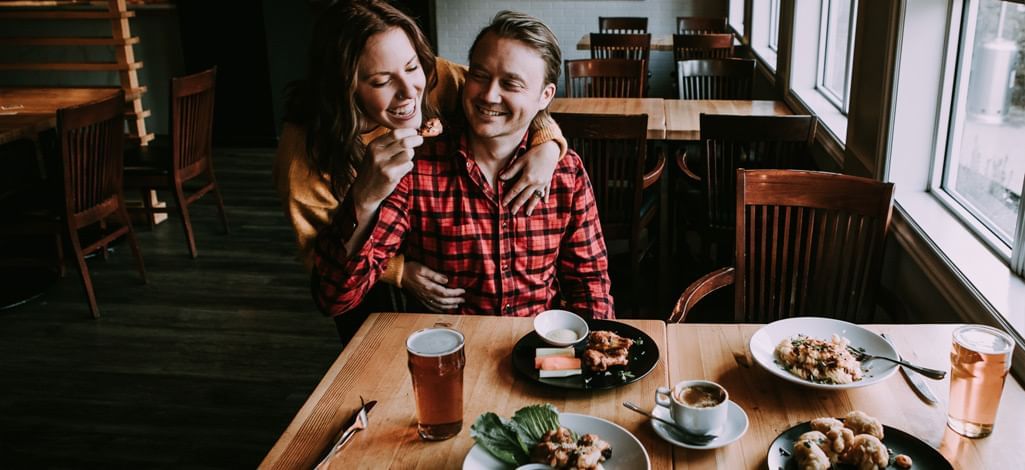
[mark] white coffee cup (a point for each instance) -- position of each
(699, 406)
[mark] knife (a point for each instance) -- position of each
(357, 422)
(917, 383)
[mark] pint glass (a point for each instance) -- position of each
(980, 357)
(436, 360)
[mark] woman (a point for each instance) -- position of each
(350, 129)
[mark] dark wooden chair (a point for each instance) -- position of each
(808, 243)
(715, 79)
(701, 25)
(89, 172)
(614, 151)
(190, 155)
(701, 46)
(620, 46)
(750, 142)
(623, 24)
(605, 78)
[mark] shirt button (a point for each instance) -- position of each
(504, 225)
(505, 267)
(508, 307)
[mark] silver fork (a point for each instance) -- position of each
(360, 424)
(863, 356)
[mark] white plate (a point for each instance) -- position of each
(764, 341)
(736, 426)
(627, 451)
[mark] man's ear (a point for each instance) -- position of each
(547, 94)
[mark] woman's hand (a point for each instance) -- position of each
(388, 158)
(429, 287)
(537, 166)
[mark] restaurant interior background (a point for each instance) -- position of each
(264, 50)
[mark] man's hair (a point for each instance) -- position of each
(530, 31)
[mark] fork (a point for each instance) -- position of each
(359, 425)
(863, 356)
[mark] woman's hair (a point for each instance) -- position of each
(325, 103)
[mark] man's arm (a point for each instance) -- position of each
(583, 263)
(340, 279)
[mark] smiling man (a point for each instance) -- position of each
(447, 212)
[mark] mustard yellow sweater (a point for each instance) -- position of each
(307, 194)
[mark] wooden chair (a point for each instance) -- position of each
(90, 171)
(715, 79)
(701, 25)
(808, 243)
(623, 24)
(620, 46)
(614, 151)
(750, 142)
(701, 46)
(605, 78)
(192, 113)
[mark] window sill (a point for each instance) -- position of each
(831, 118)
(975, 281)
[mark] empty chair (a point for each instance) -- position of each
(605, 78)
(701, 25)
(89, 191)
(750, 142)
(715, 79)
(620, 46)
(614, 151)
(808, 243)
(701, 46)
(190, 156)
(623, 24)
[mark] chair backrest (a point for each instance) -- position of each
(700, 25)
(751, 142)
(809, 243)
(620, 46)
(702, 46)
(715, 79)
(192, 118)
(92, 138)
(613, 149)
(623, 24)
(605, 78)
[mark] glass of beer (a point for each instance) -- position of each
(436, 360)
(979, 360)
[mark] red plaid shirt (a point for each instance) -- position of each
(445, 215)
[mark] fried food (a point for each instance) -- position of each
(856, 440)
(606, 349)
(861, 423)
(866, 453)
(431, 128)
(557, 449)
(809, 452)
(902, 461)
(607, 341)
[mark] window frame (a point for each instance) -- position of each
(773, 39)
(843, 102)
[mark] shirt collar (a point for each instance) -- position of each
(464, 147)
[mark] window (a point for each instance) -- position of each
(765, 31)
(773, 26)
(736, 18)
(836, 47)
(983, 169)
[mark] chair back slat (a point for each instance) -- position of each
(623, 24)
(91, 145)
(192, 110)
(605, 78)
(701, 25)
(809, 243)
(620, 46)
(702, 46)
(715, 79)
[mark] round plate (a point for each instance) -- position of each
(643, 356)
(627, 451)
(764, 341)
(736, 426)
(899, 442)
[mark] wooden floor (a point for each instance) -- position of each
(203, 367)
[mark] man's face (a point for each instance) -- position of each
(505, 88)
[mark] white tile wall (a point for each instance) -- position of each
(459, 21)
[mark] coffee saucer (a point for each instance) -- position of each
(736, 426)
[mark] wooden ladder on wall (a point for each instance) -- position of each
(120, 39)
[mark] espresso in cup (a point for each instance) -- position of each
(700, 396)
(697, 406)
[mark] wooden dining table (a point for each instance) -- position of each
(373, 366)
(653, 107)
(27, 111)
(683, 117)
(659, 42)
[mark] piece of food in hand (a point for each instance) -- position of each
(866, 453)
(861, 423)
(431, 128)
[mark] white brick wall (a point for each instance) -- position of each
(458, 22)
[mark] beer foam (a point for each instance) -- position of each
(434, 342)
(984, 339)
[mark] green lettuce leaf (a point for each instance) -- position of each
(532, 422)
(500, 438)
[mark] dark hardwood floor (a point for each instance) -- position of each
(203, 367)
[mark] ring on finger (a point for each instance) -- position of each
(538, 193)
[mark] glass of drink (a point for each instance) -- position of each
(436, 360)
(979, 360)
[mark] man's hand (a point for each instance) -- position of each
(429, 287)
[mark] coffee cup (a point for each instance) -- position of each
(698, 406)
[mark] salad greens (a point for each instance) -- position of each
(511, 440)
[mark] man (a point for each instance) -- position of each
(446, 212)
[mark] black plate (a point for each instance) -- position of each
(899, 442)
(643, 356)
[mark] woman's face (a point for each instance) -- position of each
(390, 82)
